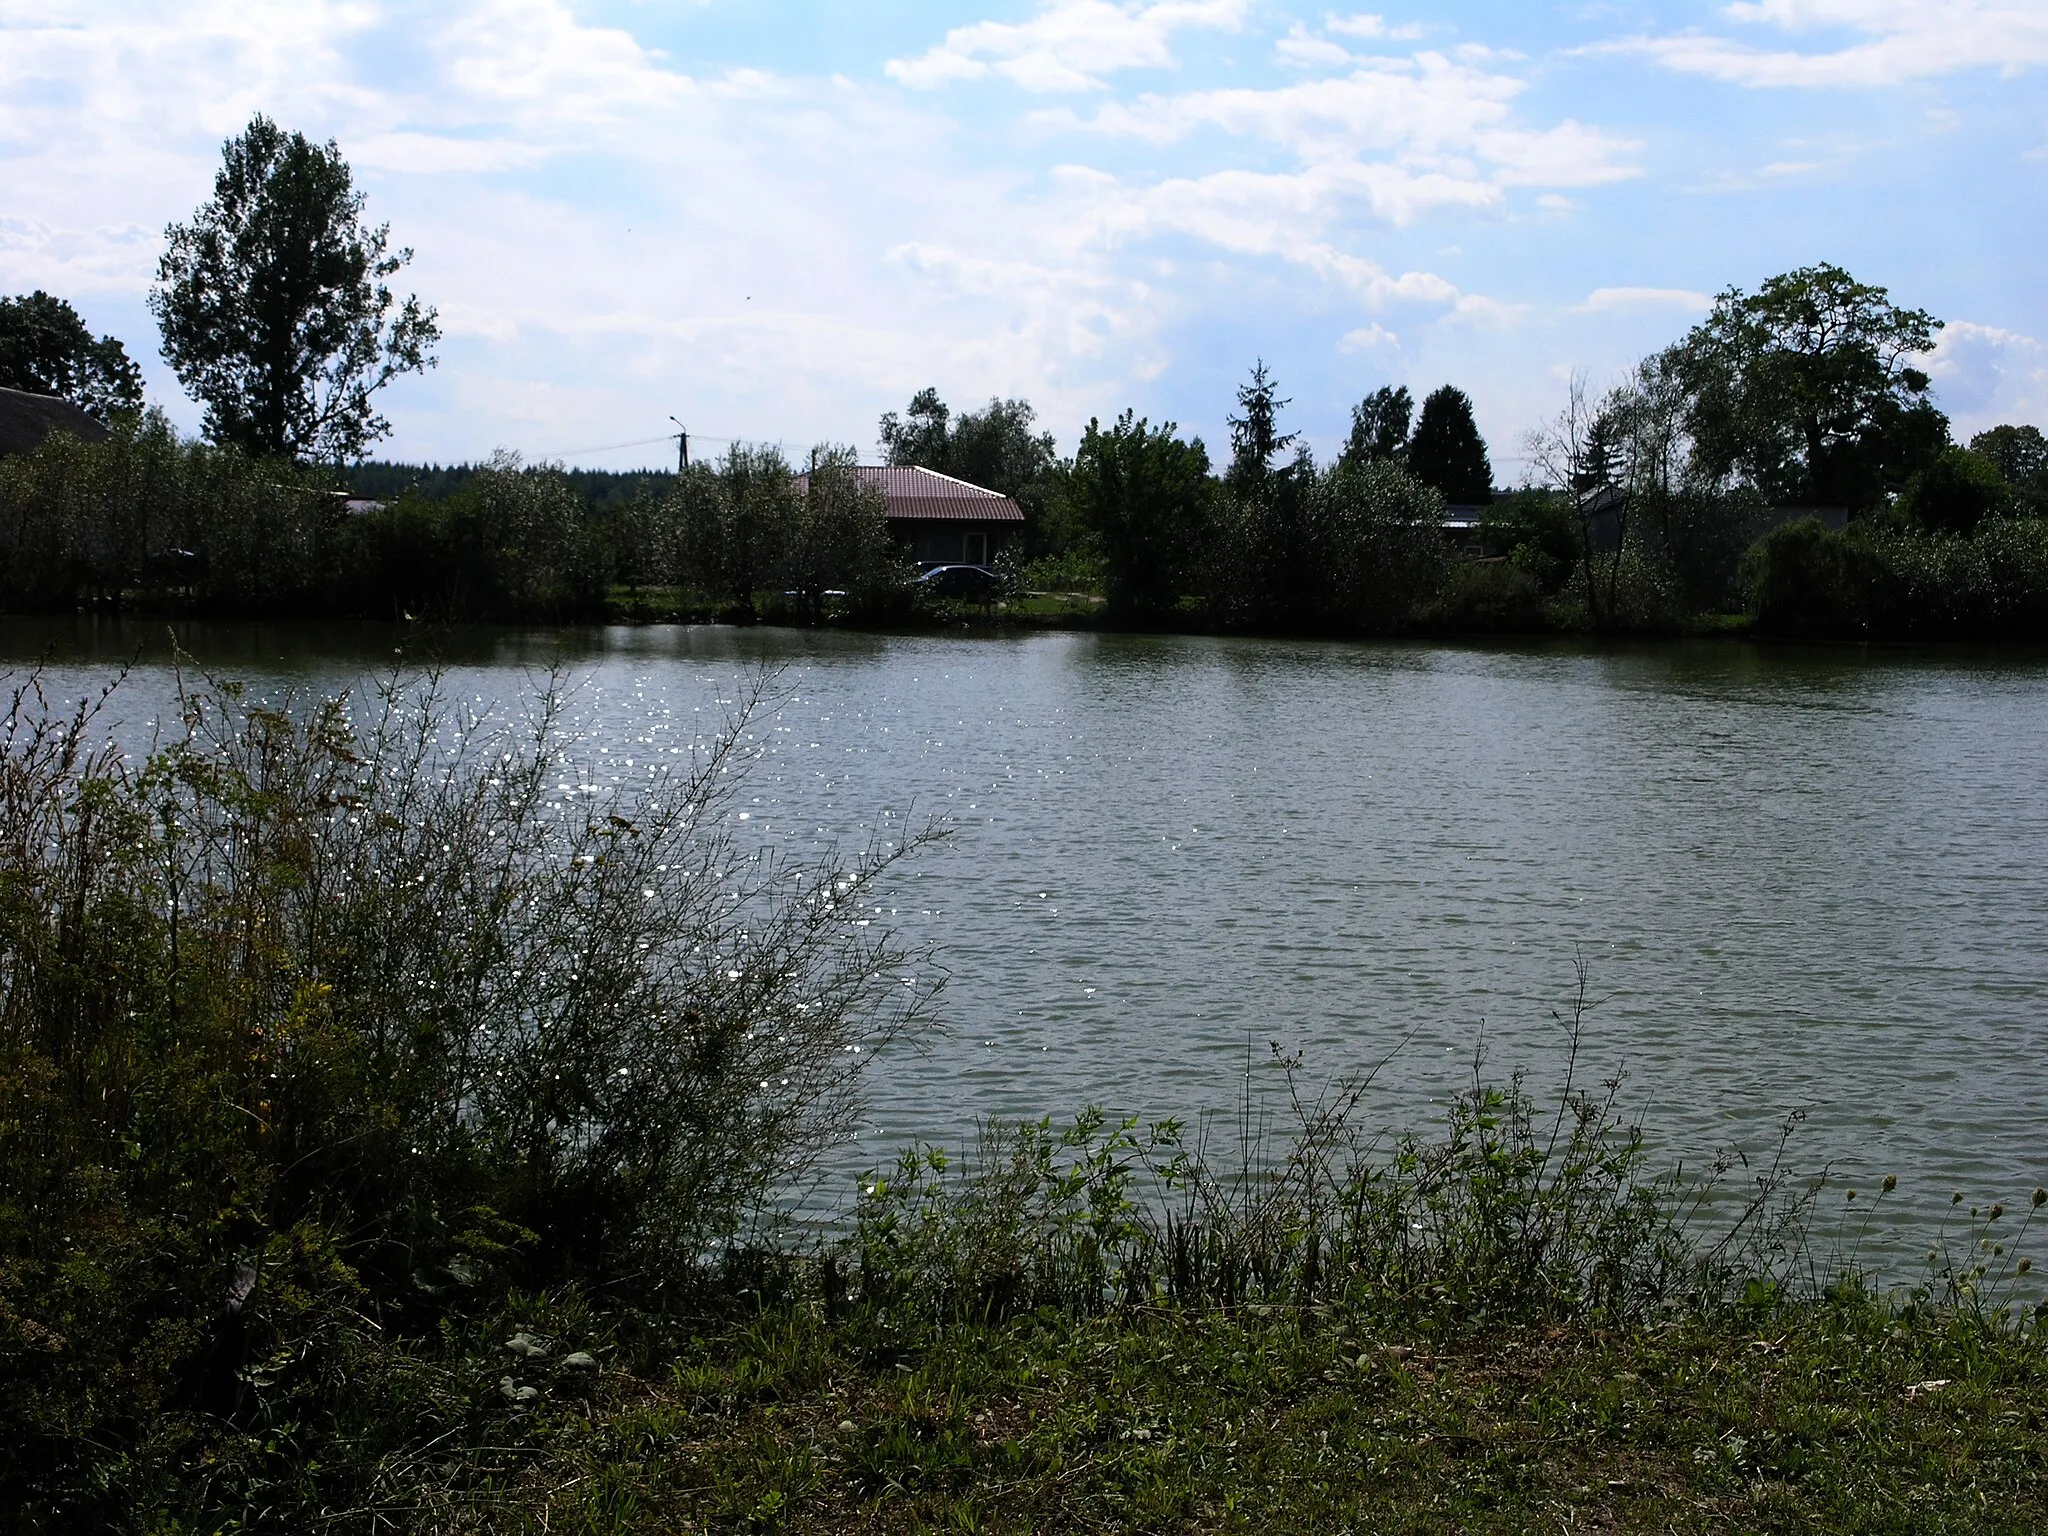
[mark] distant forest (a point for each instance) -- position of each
(381, 480)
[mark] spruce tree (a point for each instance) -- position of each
(1447, 450)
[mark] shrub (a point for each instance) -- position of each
(146, 516)
(1354, 549)
(1884, 582)
(1073, 570)
(1538, 531)
(1804, 580)
(1488, 595)
(322, 1016)
(1638, 591)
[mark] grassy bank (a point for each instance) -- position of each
(1839, 1415)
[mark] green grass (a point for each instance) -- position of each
(1805, 1418)
(1056, 606)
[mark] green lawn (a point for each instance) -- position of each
(1833, 1417)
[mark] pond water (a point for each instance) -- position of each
(1796, 878)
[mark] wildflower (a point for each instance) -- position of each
(2040, 1198)
(1891, 1182)
(1996, 1212)
(2024, 1265)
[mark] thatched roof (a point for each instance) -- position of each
(26, 419)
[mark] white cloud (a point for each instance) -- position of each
(1605, 300)
(613, 232)
(1302, 49)
(440, 154)
(1494, 314)
(1362, 25)
(1889, 41)
(1286, 216)
(1985, 375)
(1366, 338)
(1427, 114)
(1070, 45)
(1366, 24)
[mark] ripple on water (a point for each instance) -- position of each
(1796, 878)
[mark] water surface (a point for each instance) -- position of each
(1796, 878)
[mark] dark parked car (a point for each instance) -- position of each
(973, 583)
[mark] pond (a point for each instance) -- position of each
(1795, 878)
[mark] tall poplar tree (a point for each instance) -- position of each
(275, 304)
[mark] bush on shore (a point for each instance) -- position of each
(1887, 581)
(326, 1018)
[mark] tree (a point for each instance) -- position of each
(1807, 391)
(838, 534)
(1574, 455)
(46, 349)
(1379, 427)
(1447, 450)
(2021, 454)
(1144, 493)
(1956, 491)
(1625, 472)
(1379, 549)
(274, 305)
(920, 436)
(1255, 437)
(993, 447)
(733, 523)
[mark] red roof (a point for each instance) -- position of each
(912, 492)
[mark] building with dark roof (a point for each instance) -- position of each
(26, 419)
(942, 521)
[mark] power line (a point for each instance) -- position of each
(563, 453)
(666, 437)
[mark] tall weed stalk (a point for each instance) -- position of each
(1514, 1211)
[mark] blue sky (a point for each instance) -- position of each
(777, 219)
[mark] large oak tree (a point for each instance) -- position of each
(1809, 389)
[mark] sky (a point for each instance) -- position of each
(776, 219)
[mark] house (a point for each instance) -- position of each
(26, 419)
(1605, 509)
(940, 520)
(1463, 522)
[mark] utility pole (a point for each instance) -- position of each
(682, 446)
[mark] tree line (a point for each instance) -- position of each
(1681, 490)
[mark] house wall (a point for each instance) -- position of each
(934, 541)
